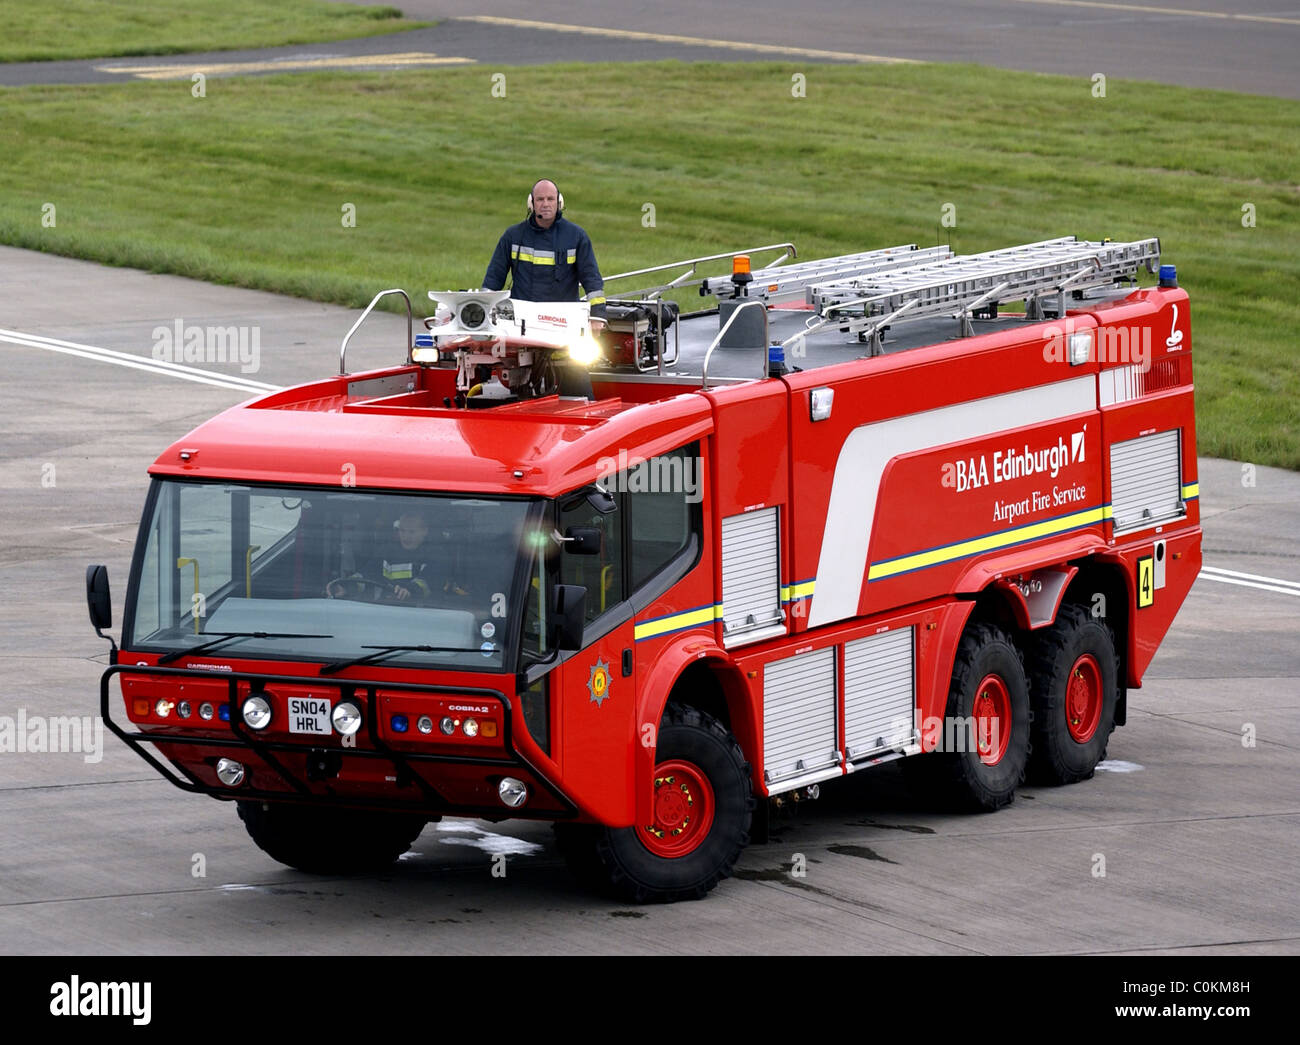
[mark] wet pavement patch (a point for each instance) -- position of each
(862, 852)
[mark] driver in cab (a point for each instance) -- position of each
(404, 568)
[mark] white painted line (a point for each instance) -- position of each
(690, 41)
(1250, 576)
(1251, 584)
(1181, 12)
(132, 362)
(182, 71)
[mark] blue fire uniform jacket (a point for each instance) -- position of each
(547, 264)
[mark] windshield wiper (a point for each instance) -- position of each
(229, 636)
(388, 651)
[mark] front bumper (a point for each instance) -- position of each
(370, 770)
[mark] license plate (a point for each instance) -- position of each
(309, 715)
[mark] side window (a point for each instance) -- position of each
(661, 497)
(657, 516)
(601, 575)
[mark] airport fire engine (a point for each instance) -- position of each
(641, 583)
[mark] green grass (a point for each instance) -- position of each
(247, 185)
(41, 30)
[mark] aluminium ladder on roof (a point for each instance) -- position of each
(958, 286)
(780, 283)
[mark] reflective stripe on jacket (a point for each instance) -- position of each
(547, 264)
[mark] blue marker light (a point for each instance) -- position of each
(223, 712)
(400, 723)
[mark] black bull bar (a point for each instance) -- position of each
(360, 691)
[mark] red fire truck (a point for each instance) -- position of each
(852, 513)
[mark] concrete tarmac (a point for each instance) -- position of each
(1196, 813)
(1195, 43)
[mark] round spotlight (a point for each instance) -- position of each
(425, 724)
(163, 708)
(470, 726)
(183, 709)
(205, 710)
(257, 712)
(512, 792)
(472, 315)
(448, 725)
(230, 772)
(346, 718)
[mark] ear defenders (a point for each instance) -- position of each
(558, 193)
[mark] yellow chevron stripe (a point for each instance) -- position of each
(797, 591)
(704, 615)
(984, 544)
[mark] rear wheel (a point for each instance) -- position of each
(329, 841)
(701, 812)
(981, 753)
(1073, 685)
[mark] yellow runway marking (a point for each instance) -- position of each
(184, 70)
(693, 41)
(1151, 9)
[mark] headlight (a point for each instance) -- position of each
(230, 772)
(346, 718)
(257, 712)
(512, 792)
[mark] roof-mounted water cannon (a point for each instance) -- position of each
(476, 313)
(507, 348)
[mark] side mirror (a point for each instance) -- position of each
(570, 615)
(582, 540)
(98, 600)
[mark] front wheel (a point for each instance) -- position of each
(703, 805)
(329, 841)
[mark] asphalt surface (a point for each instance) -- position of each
(1196, 43)
(1198, 830)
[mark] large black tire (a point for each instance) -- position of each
(1073, 689)
(329, 841)
(975, 770)
(704, 805)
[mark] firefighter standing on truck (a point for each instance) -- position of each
(547, 257)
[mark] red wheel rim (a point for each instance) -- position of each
(683, 810)
(992, 714)
(1083, 698)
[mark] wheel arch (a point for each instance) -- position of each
(698, 674)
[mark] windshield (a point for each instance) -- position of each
(331, 575)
